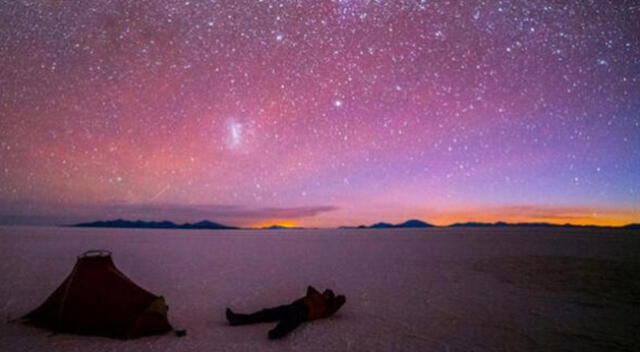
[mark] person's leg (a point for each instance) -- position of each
(263, 316)
(295, 316)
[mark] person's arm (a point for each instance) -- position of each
(311, 291)
(336, 304)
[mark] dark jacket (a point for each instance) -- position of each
(321, 305)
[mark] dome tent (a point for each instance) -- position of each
(98, 299)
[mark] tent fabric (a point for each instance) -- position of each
(98, 299)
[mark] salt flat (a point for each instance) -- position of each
(407, 289)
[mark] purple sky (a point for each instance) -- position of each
(318, 112)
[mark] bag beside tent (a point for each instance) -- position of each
(98, 299)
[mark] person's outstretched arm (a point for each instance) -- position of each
(336, 304)
(311, 291)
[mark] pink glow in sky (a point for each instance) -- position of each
(320, 113)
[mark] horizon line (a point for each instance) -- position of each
(285, 226)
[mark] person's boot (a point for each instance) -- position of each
(277, 333)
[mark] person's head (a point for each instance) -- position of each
(328, 295)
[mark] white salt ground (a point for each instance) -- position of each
(407, 290)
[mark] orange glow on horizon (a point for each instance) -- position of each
(488, 218)
(547, 214)
(559, 215)
(276, 222)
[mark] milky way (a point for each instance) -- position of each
(320, 113)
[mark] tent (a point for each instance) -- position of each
(98, 299)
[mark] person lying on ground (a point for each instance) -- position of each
(310, 307)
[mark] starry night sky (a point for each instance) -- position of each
(320, 112)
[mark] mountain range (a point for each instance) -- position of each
(535, 224)
(413, 223)
(204, 224)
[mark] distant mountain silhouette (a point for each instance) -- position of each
(206, 224)
(421, 224)
(413, 223)
(526, 224)
(139, 224)
(280, 227)
(381, 225)
(481, 224)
